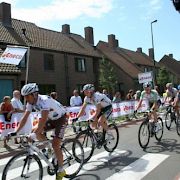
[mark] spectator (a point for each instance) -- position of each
(17, 105)
(54, 95)
(106, 93)
(117, 97)
(6, 109)
(75, 100)
(16, 102)
(130, 94)
(137, 95)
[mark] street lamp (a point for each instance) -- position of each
(154, 69)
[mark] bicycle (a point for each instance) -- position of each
(91, 139)
(149, 129)
(32, 166)
(170, 116)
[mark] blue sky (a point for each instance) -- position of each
(130, 21)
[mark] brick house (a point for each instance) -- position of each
(59, 61)
(127, 64)
(172, 66)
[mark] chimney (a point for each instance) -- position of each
(139, 49)
(171, 55)
(66, 29)
(117, 42)
(89, 35)
(151, 53)
(112, 41)
(5, 14)
(24, 31)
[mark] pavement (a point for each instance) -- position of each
(12, 148)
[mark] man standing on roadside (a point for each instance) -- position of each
(75, 100)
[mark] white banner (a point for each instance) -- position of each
(13, 55)
(145, 77)
(119, 109)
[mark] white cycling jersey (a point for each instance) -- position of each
(98, 98)
(44, 102)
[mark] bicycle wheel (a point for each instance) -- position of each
(111, 138)
(159, 129)
(168, 120)
(23, 166)
(72, 149)
(144, 134)
(87, 142)
(178, 125)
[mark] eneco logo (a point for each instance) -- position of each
(10, 55)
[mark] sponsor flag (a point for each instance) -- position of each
(13, 55)
(145, 77)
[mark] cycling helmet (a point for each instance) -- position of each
(88, 87)
(29, 89)
(178, 87)
(147, 84)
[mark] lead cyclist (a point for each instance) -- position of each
(53, 116)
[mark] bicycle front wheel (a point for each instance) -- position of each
(144, 134)
(178, 125)
(72, 149)
(159, 129)
(168, 120)
(111, 138)
(87, 142)
(23, 166)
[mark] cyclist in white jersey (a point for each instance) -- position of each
(151, 96)
(170, 92)
(102, 103)
(53, 116)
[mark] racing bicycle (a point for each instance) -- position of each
(28, 164)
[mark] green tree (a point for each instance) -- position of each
(163, 76)
(108, 76)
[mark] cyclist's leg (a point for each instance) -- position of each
(103, 122)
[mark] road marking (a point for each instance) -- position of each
(140, 168)
(96, 160)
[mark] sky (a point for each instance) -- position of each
(129, 21)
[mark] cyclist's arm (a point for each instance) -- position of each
(82, 110)
(42, 121)
(98, 110)
(23, 121)
(154, 106)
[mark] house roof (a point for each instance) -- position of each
(118, 57)
(171, 64)
(43, 38)
(138, 57)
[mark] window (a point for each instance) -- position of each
(48, 62)
(80, 64)
(47, 88)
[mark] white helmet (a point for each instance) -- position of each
(88, 87)
(29, 89)
(147, 84)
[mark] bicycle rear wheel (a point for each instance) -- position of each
(87, 143)
(144, 134)
(159, 129)
(23, 166)
(168, 120)
(72, 149)
(111, 138)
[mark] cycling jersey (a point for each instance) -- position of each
(98, 98)
(44, 102)
(152, 97)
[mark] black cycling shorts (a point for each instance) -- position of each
(106, 110)
(58, 125)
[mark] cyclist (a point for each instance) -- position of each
(170, 93)
(102, 103)
(177, 101)
(152, 97)
(53, 116)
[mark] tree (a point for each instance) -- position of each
(163, 77)
(108, 77)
